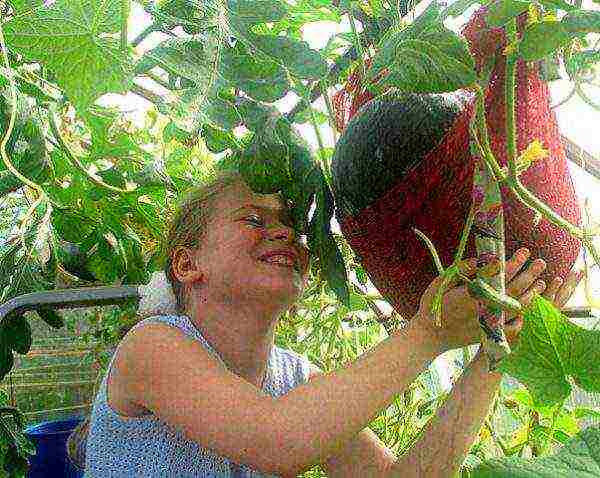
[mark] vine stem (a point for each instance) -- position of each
(524, 195)
(141, 37)
(319, 139)
(75, 161)
(11, 121)
(125, 8)
(585, 97)
(359, 47)
(325, 90)
(509, 95)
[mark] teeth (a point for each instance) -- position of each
(285, 260)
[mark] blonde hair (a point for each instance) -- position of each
(189, 223)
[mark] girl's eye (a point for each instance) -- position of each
(255, 219)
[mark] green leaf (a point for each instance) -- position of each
(387, 49)
(263, 80)
(550, 351)
(558, 5)
(421, 67)
(294, 55)
(541, 39)
(305, 116)
(580, 61)
(217, 140)
(449, 43)
(6, 360)
(264, 165)
(16, 333)
(323, 245)
(458, 7)
(85, 61)
(501, 12)
(193, 15)
(223, 113)
(578, 458)
(181, 58)
(249, 12)
(107, 261)
(582, 21)
(70, 225)
(51, 317)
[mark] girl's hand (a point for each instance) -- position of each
(460, 327)
(524, 285)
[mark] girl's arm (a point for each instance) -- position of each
(442, 448)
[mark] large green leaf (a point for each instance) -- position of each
(249, 12)
(194, 16)
(260, 78)
(582, 21)
(323, 245)
(15, 332)
(70, 38)
(421, 67)
(181, 58)
(294, 55)
(387, 49)
(501, 11)
(264, 165)
(541, 39)
(578, 458)
(550, 352)
(450, 43)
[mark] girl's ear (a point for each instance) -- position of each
(184, 267)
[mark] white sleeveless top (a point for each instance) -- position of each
(145, 447)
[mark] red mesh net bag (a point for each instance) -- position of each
(403, 161)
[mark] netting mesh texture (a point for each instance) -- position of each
(434, 194)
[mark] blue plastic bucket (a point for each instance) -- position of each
(50, 439)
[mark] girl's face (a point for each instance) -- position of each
(250, 250)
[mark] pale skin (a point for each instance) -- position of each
(235, 298)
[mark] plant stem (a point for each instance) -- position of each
(564, 100)
(125, 8)
(147, 95)
(140, 38)
(331, 117)
(73, 159)
(509, 95)
(324, 163)
(465, 235)
(157, 79)
(524, 195)
(361, 53)
(11, 122)
(585, 98)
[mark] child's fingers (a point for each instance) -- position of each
(553, 288)
(516, 262)
(537, 288)
(524, 280)
(567, 289)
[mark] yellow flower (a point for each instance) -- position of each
(550, 17)
(510, 49)
(533, 15)
(534, 152)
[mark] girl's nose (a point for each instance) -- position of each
(282, 233)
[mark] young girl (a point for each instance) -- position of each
(205, 392)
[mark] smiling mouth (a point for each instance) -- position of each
(281, 261)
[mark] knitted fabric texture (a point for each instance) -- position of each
(146, 447)
(436, 195)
